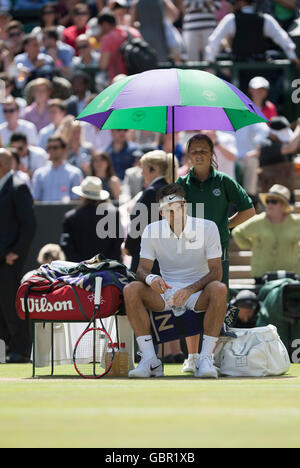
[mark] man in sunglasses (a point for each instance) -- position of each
(54, 182)
(15, 36)
(14, 124)
(87, 57)
(31, 157)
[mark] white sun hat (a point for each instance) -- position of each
(91, 188)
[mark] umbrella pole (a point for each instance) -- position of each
(173, 144)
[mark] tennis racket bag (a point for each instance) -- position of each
(40, 299)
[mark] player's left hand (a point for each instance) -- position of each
(181, 296)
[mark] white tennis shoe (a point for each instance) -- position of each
(147, 368)
(205, 368)
(189, 364)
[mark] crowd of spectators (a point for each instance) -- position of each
(52, 68)
(45, 67)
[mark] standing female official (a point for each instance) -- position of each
(216, 191)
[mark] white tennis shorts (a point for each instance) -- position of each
(189, 304)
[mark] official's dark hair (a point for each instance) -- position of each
(170, 189)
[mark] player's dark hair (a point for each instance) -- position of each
(170, 189)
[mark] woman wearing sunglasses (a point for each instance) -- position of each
(273, 236)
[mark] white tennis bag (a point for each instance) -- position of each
(256, 352)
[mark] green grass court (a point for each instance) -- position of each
(175, 411)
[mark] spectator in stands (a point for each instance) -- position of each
(9, 88)
(61, 53)
(49, 19)
(65, 10)
(155, 169)
(31, 157)
(121, 152)
(199, 22)
(18, 168)
(258, 90)
(55, 181)
(57, 112)
(14, 124)
(101, 166)
(32, 62)
(80, 17)
(275, 232)
(17, 229)
(79, 151)
(87, 57)
(82, 238)
(15, 36)
(112, 38)
(215, 192)
(120, 9)
(81, 84)
(38, 111)
(151, 15)
(247, 31)
(275, 155)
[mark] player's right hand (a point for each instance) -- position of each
(159, 285)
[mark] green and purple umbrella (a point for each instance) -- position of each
(168, 101)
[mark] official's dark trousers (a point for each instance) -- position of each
(15, 332)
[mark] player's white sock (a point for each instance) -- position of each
(146, 346)
(208, 345)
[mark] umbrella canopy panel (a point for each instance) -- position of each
(172, 100)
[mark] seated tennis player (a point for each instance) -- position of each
(189, 254)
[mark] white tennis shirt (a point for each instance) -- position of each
(183, 260)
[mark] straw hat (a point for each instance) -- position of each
(280, 192)
(91, 188)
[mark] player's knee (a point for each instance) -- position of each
(216, 288)
(131, 290)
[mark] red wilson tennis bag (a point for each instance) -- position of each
(40, 299)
